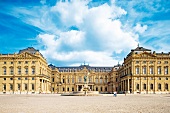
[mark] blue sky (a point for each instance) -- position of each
(69, 32)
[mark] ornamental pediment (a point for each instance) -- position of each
(145, 55)
(26, 55)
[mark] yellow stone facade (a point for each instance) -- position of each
(28, 72)
(144, 71)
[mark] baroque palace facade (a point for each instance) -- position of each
(27, 72)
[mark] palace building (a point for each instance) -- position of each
(27, 72)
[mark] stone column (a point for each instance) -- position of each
(128, 85)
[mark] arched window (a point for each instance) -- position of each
(101, 89)
(79, 79)
(105, 88)
(96, 88)
(137, 70)
(159, 86)
(137, 86)
(166, 86)
(144, 70)
(63, 80)
(144, 86)
(166, 70)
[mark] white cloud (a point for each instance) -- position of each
(100, 32)
(139, 28)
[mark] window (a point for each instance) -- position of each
(159, 86)
(11, 62)
(72, 88)
(137, 86)
(52, 79)
(137, 70)
(151, 78)
(137, 78)
(166, 86)
(19, 78)
(26, 78)
(159, 70)
(151, 62)
(137, 62)
(116, 79)
(73, 80)
(105, 88)
(26, 87)
(144, 78)
(68, 80)
(144, 70)
(11, 87)
(151, 70)
(165, 62)
(63, 89)
(166, 78)
(144, 86)
(4, 87)
(90, 79)
(96, 80)
(33, 70)
(159, 62)
(19, 70)
(26, 70)
(144, 62)
(79, 79)
(26, 62)
(33, 62)
(101, 80)
(101, 89)
(32, 78)
(11, 78)
(4, 78)
(96, 88)
(11, 70)
(32, 86)
(68, 89)
(4, 62)
(159, 78)
(105, 79)
(166, 70)
(4, 70)
(19, 62)
(19, 86)
(63, 82)
(151, 86)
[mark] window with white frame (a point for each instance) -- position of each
(166, 70)
(151, 70)
(137, 70)
(144, 70)
(159, 70)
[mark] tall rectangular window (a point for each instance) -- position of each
(137, 70)
(19, 86)
(166, 70)
(19, 71)
(33, 70)
(159, 70)
(26, 70)
(11, 86)
(79, 79)
(96, 80)
(151, 70)
(73, 80)
(4, 87)
(144, 70)
(4, 70)
(11, 70)
(26, 87)
(32, 86)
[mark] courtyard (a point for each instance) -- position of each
(54, 103)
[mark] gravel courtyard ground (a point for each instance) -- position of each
(53, 103)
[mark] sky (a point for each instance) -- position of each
(99, 32)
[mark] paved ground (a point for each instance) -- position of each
(51, 103)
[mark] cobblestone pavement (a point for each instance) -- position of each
(53, 103)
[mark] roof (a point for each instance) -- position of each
(140, 49)
(29, 50)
